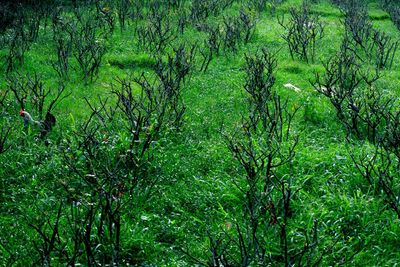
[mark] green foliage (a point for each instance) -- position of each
(191, 135)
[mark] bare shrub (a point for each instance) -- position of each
(4, 136)
(89, 48)
(201, 10)
(370, 45)
(157, 33)
(351, 90)
(211, 47)
(248, 23)
(394, 11)
(105, 16)
(30, 93)
(231, 33)
(302, 31)
(386, 49)
(379, 165)
(357, 24)
(17, 46)
(112, 153)
(63, 35)
(124, 8)
(172, 75)
(23, 31)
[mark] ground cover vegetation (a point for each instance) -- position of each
(199, 133)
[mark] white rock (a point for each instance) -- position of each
(292, 87)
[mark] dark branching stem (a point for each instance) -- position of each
(49, 239)
(302, 32)
(262, 144)
(4, 135)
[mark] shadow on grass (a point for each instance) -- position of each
(133, 63)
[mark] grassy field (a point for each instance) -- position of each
(191, 200)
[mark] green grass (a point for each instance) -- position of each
(196, 192)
